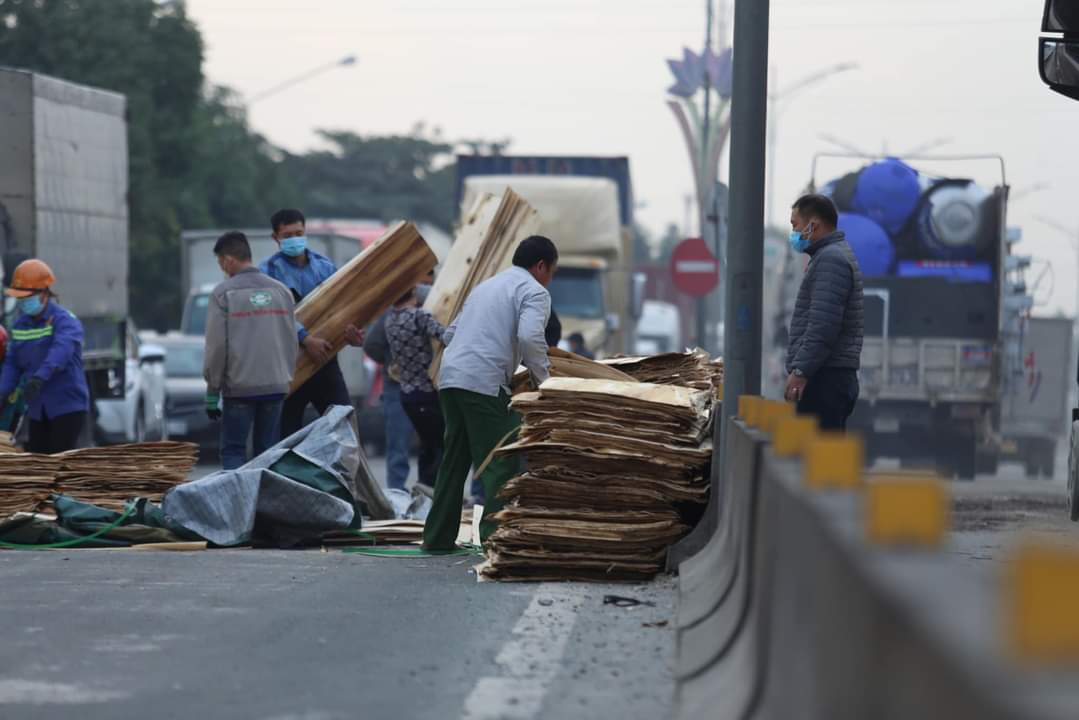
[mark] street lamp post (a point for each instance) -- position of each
(1073, 238)
(346, 61)
(774, 108)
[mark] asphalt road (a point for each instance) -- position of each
(311, 635)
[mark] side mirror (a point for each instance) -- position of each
(151, 354)
(1058, 64)
(1061, 16)
(639, 282)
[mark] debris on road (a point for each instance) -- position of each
(694, 369)
(567, 364)
(612, 469)
(105, 476)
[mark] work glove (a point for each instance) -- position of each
(32, 390)
(213, 409)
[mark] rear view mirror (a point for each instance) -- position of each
(151, 354)
(1058, 63)
(1061, 16)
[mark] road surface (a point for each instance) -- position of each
(312, 635)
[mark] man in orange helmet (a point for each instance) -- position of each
(44, 357)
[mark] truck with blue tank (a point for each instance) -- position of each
(933, 251)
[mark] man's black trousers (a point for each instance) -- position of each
(325, 388)
(830, 395)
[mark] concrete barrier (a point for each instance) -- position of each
(805, 620)
(715, 591)
(691, 545)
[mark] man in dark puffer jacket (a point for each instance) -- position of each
(825, 346)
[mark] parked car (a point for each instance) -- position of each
(140, 414)
(185, 390)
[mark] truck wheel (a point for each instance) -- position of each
(987, 463)
(1047, 455)
(958, 457)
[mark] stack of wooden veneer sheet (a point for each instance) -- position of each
(611, 468)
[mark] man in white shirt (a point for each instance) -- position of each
(500, 328)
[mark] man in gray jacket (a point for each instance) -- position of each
(825, 346)
(250, 352)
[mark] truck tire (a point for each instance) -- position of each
(1047, 455)
(988, 463)
(958, 456)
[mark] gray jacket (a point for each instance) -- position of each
(829, 315)
(501, 326)
(250, 337)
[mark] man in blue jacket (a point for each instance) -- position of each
(44, 356)
(825, 347)
(301, 270)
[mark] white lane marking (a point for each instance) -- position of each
(695, 266)
(530, 660)
(30, 692)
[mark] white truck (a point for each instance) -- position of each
(591, 292)
(63, 199)
(659, 330)
(1035, 404)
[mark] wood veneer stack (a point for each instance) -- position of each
(610, 467)
(693, 368)
(105, 476)
(484, 247)
(362, 290)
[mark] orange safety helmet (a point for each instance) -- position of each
(31, 277)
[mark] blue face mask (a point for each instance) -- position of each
(294, 246)
(31, 306)
(798, 243)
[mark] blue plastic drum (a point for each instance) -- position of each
(870, 243)
(887, 193)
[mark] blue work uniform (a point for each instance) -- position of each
(327, 386)
(48, 347)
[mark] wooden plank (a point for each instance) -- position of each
(362, 290)
(484, 247)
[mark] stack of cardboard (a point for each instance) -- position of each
(693, 368)
(363, 289)
(567, 364)
(26, 481)
(484, 246)
(611, 467)
(106, 476)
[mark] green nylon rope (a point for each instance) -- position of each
(392, 552)
(128, 511)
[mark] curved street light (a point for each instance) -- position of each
(774, 102)
(346, 61)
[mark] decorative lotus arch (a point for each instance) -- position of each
(693, 73)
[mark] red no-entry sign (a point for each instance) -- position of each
(694, 268)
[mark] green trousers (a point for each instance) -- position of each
(475, 424)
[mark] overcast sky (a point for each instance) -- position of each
(588, 77)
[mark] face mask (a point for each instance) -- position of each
(31, 306)
(294, 246)
(798, 243)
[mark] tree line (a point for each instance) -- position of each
(195, 162)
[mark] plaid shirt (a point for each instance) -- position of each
(409, 332)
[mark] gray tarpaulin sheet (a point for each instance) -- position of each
(225, 506)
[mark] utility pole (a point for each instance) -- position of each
(705, 209)
(745, 246)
